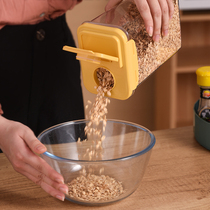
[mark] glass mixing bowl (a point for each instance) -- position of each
(123, 155)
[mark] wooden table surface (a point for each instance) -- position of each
(177, 177)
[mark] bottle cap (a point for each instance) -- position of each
(203, 76)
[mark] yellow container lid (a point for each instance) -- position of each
(203, 76)
(102, 46)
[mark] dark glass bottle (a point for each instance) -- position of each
(203, 80)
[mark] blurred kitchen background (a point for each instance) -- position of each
(166, 99)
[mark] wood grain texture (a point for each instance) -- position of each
(177, 177)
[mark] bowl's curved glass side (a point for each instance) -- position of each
(130, 172)
(125, 141)
(61, 140)
(122, 140)
(125, 155)
(63, 133)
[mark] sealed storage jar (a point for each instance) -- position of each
(118, 42)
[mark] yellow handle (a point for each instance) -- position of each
(83, 55)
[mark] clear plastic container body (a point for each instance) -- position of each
(114, 17)
(150, 55)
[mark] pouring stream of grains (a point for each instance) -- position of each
(90, 187)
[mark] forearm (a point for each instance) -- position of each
(18, 12)
(15, 12)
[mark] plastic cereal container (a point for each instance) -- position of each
(118, 42)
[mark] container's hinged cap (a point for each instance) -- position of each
(102, 46)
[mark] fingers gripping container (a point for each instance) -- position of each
(118, 42)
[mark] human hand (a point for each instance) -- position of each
(155, 13)
(19, 144)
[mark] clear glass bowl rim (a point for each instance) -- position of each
(57, 158)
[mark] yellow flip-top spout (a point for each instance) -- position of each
(102, 46)
(88, 55)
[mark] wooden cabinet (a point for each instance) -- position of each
(176, 90)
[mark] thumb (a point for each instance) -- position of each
(33, 143)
